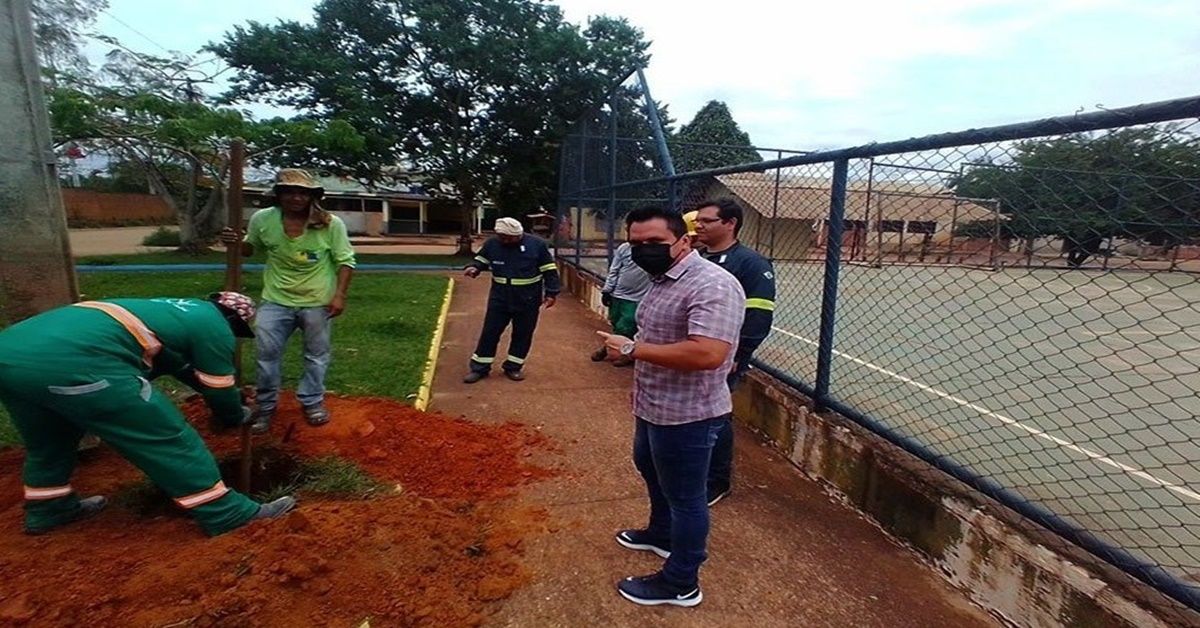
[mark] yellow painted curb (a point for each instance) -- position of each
(426, 389)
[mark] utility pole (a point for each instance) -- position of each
(37, 272)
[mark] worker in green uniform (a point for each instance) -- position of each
(87, 368)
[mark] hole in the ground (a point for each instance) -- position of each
(273, 472)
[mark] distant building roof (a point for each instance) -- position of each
(807, 198)
(345, 186)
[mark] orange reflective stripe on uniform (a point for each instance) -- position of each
(134, 325)
(51, 492)
(215, 381)
(203, 497)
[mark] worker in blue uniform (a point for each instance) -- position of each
(524, 279)
(717, 225)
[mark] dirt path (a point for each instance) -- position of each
(781, 552)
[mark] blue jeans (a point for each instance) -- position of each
(273, 326)
(720, 470)
(673, 460)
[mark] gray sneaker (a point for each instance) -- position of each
(277, 508)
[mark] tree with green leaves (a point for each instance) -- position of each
(162, 134)
(475, 94)
(1138, 183)
(148, 115)
(712, 139)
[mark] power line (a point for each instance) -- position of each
(193, 64)
(136, 31)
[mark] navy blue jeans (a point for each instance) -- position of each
(673, 460)
(720, 470)
(499, 315)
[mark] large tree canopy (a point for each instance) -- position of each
(712, 139)
(476, 94)
(1138, 183)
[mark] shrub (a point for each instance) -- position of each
(162, 237)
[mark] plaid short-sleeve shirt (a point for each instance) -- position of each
(695, 298)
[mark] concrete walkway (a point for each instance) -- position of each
(123, 240)
(781, 552)
(115, 241)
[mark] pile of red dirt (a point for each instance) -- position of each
(437, 552)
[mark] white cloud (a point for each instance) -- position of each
(835, 74)
(828, 74)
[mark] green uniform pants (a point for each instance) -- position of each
(53, 409)
(623, 316)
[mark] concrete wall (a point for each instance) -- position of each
(1000, 560)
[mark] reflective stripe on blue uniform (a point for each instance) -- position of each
(757, 276)
(522, 275)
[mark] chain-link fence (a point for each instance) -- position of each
(1019, 306)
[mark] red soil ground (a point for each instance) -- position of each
(436, 552)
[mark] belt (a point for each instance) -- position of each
(517, 281)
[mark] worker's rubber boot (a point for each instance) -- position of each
(277, 508)
(88, 507)
(260, 421)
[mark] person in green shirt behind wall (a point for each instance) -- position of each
(309, 265)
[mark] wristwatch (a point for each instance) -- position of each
(627, 348)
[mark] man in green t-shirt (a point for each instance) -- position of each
(309, 265)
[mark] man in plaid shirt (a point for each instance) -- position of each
(689, 323)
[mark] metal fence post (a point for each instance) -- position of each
(833, 261)
(562, 207)
(775, 205)
(612, 178)
(867, 218)
(660, 140)
(995, 248)
(583, 148)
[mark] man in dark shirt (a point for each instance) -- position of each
(524, 279)
(717, 225)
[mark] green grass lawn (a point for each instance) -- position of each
(379, 345)
(218, 257)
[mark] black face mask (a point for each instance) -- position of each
(655, 258)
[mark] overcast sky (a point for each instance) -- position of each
(808, 75)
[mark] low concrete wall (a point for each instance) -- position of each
(1000, 560)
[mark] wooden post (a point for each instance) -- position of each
(233, 283)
